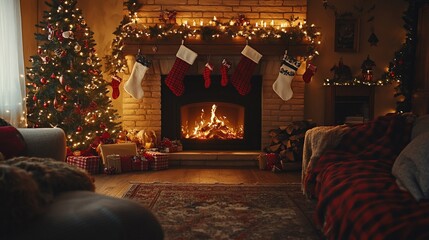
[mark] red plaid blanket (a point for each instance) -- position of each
(360, 200)
(383, 138)
(357, 195)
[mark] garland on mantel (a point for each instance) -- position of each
(292, 30)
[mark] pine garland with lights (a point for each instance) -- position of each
(291, 31)
(401, 68)
(65, 85)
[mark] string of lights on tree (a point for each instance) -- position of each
(291, 31)
(65, 85)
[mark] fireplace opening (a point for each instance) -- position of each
(352, 109)
(214, 118)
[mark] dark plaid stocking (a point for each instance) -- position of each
(243, 73)
(185, 58)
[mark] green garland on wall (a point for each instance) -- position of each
(401, 68)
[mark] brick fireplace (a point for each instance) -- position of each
(146, 112)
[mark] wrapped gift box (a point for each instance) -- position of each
(140, 163)
(113, 163)
(126, 163)
(157, 160)
(89, 163)
(121, 149)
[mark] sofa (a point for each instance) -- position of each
(79, 214)
(372, 180)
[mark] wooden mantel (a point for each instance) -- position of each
(221, 46)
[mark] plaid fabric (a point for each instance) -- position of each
(357, 195)
(89, 163)
(359, 199)
(382, 138)
(242, 75)
(176, 75)
(140, 163)
(157, 160)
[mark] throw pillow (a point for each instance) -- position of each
(411, 167)
(421, 125)
(12, 143)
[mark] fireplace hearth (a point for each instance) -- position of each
(214, 118)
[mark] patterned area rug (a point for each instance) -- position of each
(224, 211)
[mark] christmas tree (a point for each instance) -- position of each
(65, 85)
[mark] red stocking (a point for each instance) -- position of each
(115, 86)
(185, 58)
(309, 72)
(226, 65)
(243, 73)
(208, 69)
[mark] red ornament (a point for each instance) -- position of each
(45, 104)
(79, 129)
(53, 76)
(39, 50)
(43, 80)
(64, 97)
(34, 98)
(67, 88)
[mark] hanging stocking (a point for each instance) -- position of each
(287, 71)
(243, 73)
(134, 84)
(208, 69)
(185, 57)
(115, 86)
(226, 65)
(309, 72)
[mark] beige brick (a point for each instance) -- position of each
(169, 2)
(210, 2)
(242, 9)
(268, 9)
(231, 2)
(249, 2)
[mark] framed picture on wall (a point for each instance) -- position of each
(346, 34)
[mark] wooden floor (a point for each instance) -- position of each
(117, 185)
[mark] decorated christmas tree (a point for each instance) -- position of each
(65, 86)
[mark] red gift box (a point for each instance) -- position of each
(89, 163)
(140, 163)
(126, 163)
(157, 160)
(272, 161)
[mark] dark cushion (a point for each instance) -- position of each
(12, 143)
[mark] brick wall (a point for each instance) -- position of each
(146, 113)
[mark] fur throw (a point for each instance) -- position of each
(28, 184)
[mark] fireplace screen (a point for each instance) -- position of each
(212, 120)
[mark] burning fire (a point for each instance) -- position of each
(216, 128)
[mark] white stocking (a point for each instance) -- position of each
(134, 84)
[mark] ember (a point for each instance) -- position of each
(213, 128)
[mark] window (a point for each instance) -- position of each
(12, 76)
